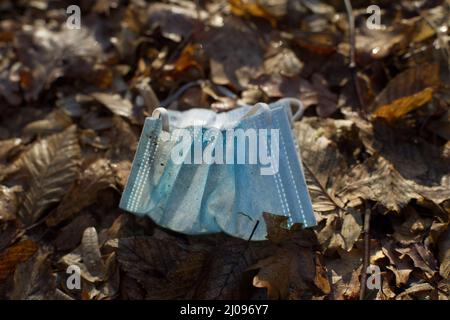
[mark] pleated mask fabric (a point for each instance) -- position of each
(200, 172)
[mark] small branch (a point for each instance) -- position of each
(352, 41)
(366, 258)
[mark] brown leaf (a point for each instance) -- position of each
(278, 232)
(53, 54)
(165, 267)
(400, 267)
(107, 289)
(176, 22)
(378, 43)
(9, 203)
(409, 90)
(323, 164)
(97, 176)
(286, 275)
(421, 257)
(345, 272)
(321, 280)
(423, 165)
(8, 146)
(115, 103)
(412, 229)
(322, 43)
(327, 104)
(251, 8)
(14, 255)
(441, 126)
(230, 66)
(284, 63)
(190, 57)
(378, 180)
(421, 291)
(56, 121)
(52, 164)
(278, 86)
(225, 274)
(70, 236)
(10, 233)
(444, 255)
(34, 280)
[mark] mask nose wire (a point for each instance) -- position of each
(163, 114)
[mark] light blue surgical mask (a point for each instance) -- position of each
(231, 185)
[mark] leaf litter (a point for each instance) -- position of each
(374, 139)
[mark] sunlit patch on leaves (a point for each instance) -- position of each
(407, 91)
(252, 8)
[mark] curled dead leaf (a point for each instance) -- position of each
(14, 255)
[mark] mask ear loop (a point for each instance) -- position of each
(163, 114)
(256, 108)
(296, 103)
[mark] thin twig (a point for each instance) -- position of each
(362, 292)
(198, 10)
(352, 40)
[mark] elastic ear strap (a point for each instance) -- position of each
(163, 114)
(256, 108)
(297, 103)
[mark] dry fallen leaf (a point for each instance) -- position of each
(34, 280)
(9, 203)
(14, 255)
(345, 272)
(166, 268)
(409, 90)
(444, 255)
(286, 275)
(378, 180)
(252, 8)
(115, 103)
(400, 267)
(323, 164)
(52, 164)
(226, 62)
(96, 177)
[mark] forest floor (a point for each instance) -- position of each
(374, 143)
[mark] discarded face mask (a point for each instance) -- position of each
(200, 172)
